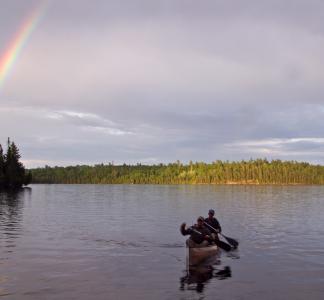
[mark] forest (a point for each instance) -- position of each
(12, 172)
(259, 171)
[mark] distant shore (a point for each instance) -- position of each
(226, 183)
(252, 172)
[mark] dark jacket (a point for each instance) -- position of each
(196, 234)
(214, 223)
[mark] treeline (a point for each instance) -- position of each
(12, 172)
(260, 171)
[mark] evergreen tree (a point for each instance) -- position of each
(12, 171)
(27, 178)
(2, 168)
(15, 172)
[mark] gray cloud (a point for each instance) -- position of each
(156, 81)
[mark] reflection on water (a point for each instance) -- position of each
(197, 277)
(11, 214)
(122, 242)
(11, 206)
(234, 254)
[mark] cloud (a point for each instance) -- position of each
(171, 61)
(166, 80)
(292, 148)
(80, 119)
(106, 130)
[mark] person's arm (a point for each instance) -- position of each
(218, 227)
(212, 225)
(206, 233)
(183, 229)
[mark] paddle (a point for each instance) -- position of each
(233, 242)
(218, 243)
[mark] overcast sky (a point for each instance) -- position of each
(159, 81)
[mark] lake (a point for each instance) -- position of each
(123, 242)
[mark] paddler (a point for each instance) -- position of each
(200, 236)
(213, 224)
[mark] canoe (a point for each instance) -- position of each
(199, 255)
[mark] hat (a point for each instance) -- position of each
(211, 211)
(201, 219)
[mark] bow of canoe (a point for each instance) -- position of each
(198, 255)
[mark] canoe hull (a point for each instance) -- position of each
(199, 255)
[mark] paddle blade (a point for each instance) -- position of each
(223, 245)
(231, 241)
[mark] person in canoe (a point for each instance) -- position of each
(213, 225)
(199, 234)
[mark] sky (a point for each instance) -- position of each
(142, 81)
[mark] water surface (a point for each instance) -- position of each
(123, 241)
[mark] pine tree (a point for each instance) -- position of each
(2, 169)
(12, 171)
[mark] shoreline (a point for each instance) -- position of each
(228, 183)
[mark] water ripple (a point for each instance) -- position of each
(109, 242)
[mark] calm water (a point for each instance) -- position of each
(123, 241)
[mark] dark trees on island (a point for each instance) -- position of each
(12, 172)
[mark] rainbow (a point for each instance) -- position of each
(17, 43)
